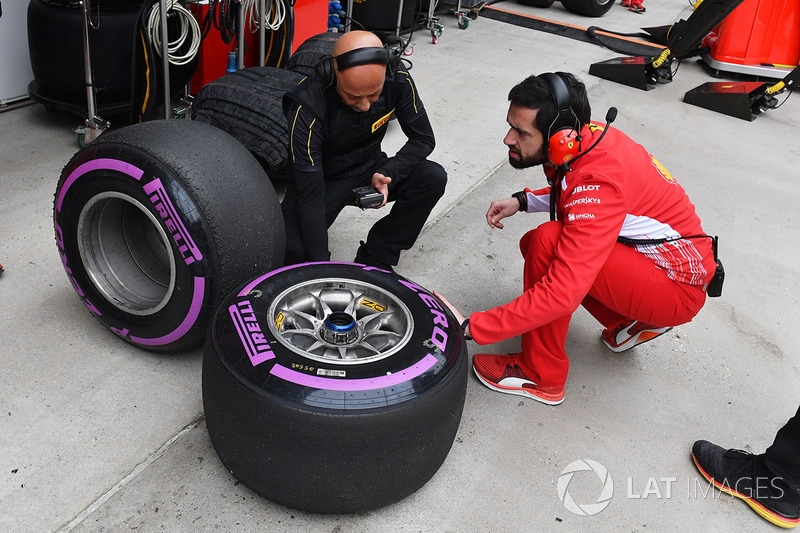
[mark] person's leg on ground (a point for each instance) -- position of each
(338, 194)
(782, 458)
(769, 483)
(413, 200)
(540, 371)
(646, 305)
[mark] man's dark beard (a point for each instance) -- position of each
(528, 162)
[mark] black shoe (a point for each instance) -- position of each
(735, 472)
(365, 258)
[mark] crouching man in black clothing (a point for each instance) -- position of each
(337, 120)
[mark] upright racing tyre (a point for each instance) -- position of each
(588, 8)
(333, 388)
(157, 221)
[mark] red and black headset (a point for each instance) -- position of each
(563, 142)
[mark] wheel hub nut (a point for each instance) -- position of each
(339, 328)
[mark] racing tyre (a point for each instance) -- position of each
(333, 387)
(247, 105)
(157, 221)
(313, 49)
(588, 8)
(536, 3)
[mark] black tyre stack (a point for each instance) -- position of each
(247, 103)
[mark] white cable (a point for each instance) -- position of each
(276, 8)
(187, 24)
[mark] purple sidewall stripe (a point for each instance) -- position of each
(250, 286)
(188, 321)
(355, 384)
(97, 164)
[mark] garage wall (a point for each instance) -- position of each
(15, 63)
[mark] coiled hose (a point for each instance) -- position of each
(189, 31)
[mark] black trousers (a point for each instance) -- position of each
(413, 199)
(783, 457)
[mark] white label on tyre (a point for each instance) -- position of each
(331, 373)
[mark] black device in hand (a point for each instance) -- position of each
(367, 197)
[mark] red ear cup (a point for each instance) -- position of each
(563, 146)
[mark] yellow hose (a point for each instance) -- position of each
(775, 88)
(662, 58)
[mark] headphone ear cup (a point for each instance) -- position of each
(323, 71)
(395, 57)
(563, 146)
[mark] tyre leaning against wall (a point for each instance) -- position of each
(155, 222)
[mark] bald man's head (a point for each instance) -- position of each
(355, 39)
(361, 85)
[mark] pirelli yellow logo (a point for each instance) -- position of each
(381, 121)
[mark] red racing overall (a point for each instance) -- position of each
(617, 189)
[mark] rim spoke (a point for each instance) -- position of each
(351, 307)
(364, 321)
(316, 322)
(296, 313)
(381, 333)
(305, 332)
(368, 346)
(317, 345)
(322, 305)
(343, 353)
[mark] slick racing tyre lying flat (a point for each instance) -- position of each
(157, 221)
(247, 105)
(333, 387)
(313, 49)
(588, 8)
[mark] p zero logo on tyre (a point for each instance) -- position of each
(297, 365)
(133, 217)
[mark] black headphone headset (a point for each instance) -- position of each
(563, 143)
(370, 55)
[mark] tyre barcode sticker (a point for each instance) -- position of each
(333, 373)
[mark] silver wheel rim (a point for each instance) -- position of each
(340, 320)
(126, 253)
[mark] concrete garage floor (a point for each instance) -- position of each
(97, 435)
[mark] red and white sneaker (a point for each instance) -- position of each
(629, 334)
(503, 374)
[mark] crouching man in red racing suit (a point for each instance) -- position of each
(610, 190)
